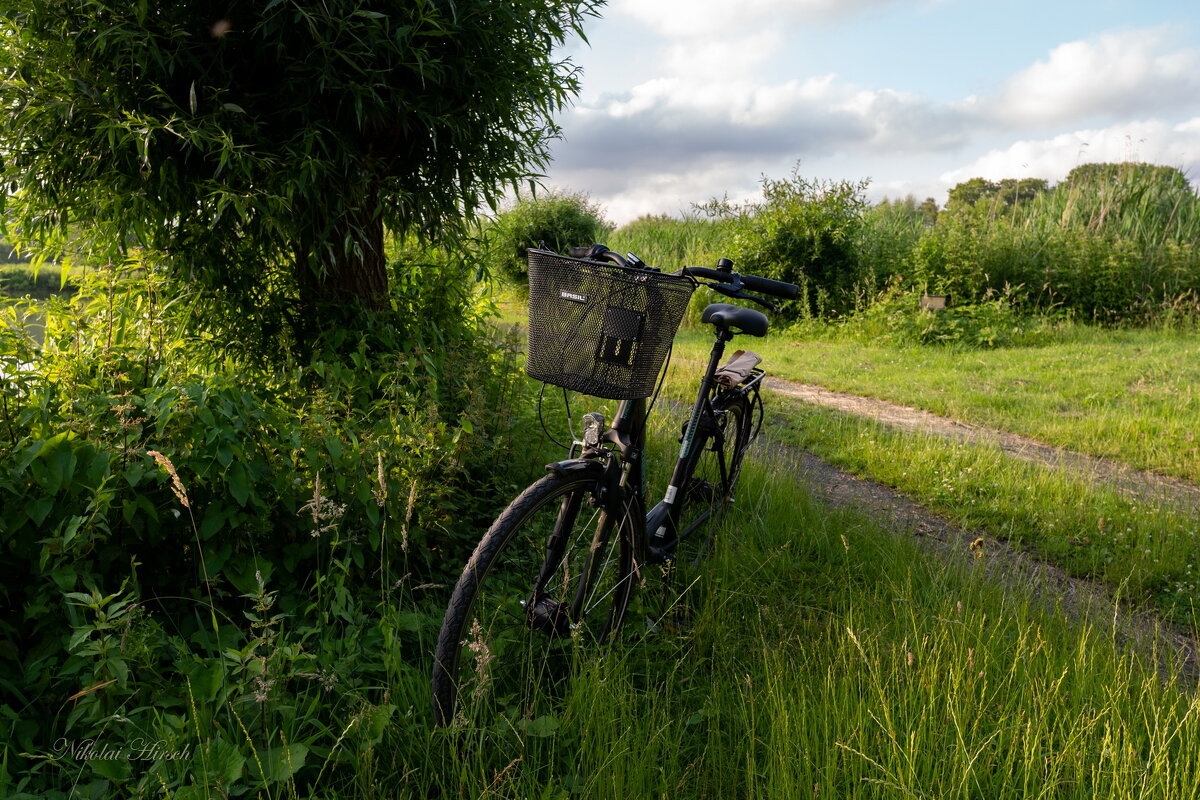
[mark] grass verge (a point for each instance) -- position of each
(1126, 395)
(1151, 549)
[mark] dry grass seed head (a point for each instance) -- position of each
(176, 484)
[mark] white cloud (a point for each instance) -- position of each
(626, 196)
(1115, 75)
(703, 120)
(1152, 141)
(819, 115)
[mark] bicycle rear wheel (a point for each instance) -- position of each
(521, 612)
(716, 465)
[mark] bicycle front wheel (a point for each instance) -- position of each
(549, 581)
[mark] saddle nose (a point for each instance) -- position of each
(740, 320)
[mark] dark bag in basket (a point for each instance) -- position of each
(598, 328)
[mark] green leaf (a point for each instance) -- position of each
(214, 520)
(279, 763)
(77, 637)
(117, 770)
(54, 465)
(335, 446)
(121, 670)
(206, 679)
(543, 727)
(37, 510)
(239, 483)
(223, 760)
(71, 529)
(412, 620)
(134, 473)
(376, 724)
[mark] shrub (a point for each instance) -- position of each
(895, 317)
(559, 220)
(1112, 243)
(805, 232)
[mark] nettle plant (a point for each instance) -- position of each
(223, 557)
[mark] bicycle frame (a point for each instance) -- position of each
(655, 543)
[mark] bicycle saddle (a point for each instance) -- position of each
(736, 318)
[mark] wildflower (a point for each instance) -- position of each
(483, 657)
(325, 512)
(380, 494)
(977, 547)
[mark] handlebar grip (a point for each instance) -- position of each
(787, 291)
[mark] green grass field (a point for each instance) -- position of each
(829, 658)
(1126, 395)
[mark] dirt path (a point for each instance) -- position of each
(1178, 650)
(1145, 486)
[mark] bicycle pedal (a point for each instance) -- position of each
(662, 552)
(550, 617)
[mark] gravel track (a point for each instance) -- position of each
(1177, 649)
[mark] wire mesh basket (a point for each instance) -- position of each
(598, 328)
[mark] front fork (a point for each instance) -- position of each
(616, 480)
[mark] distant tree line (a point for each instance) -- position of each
(1111, 242)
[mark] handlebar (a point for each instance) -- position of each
(785, 291)
(725, 280)
(599, 252)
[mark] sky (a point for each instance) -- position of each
(684, 101)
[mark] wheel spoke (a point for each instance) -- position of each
(516, 650)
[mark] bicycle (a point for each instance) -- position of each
(556, 571)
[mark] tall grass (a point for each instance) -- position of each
(828, 658)
(672, 242)
(1114, 242)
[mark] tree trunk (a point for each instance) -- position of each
(357, 272)
(360, 275)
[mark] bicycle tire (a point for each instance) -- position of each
(505, 656)
(710, 490)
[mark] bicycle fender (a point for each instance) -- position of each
(577, 466)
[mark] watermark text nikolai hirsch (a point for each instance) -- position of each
(134, 750)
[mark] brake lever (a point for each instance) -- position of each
(739, 294)
(767, 304)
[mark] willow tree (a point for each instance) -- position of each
(263, 147)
